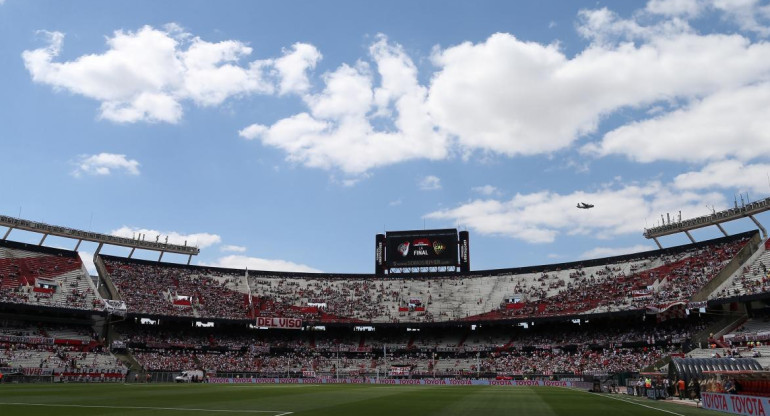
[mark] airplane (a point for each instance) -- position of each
(583, 205)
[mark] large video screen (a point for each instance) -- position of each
(421, 248)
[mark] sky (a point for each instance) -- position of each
(284, 135)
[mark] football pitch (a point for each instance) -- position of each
(307, 399)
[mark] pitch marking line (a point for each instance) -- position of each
(643, 405)
(86, 406)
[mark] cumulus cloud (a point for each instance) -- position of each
(255, 263)
(343, 127)
(727, 174)
(517, 98)
(200, 240)
(542, 217)
(146, 75)
(601, 252)
(522, 98)
(293, 67)
(430, 183)
(502, 95)
(104, 164)
(730, 123)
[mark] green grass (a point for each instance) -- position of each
(298, 400)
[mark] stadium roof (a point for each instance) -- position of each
(102, 239)
(716, 218)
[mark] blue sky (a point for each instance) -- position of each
(285, 135)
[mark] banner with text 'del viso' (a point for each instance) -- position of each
(283, 323)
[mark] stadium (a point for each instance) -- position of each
(637, 323)
(340, 207)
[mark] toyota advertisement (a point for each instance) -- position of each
(421, 248)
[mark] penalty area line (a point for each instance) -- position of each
(88, 406)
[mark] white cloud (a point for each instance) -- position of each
(542, 216)
(200, 240)
(338, 130)
(147, 74)
(293, 67)
(499, 96)
(750, 15)
(730, 123)
(687, 8)
(601, 252)
(254, 263)
(105, 164)
(88, 261)
(605, 28)
(233, 249)
(486, 190)
(727, 174)
(252, 132)
(521, 98)
(430, 183)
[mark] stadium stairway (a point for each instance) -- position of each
(129, 361)
(720, 327)
(463, 339)
(107, 290)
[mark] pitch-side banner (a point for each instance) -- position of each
(284, 323)
(736, 404)
(424, 381)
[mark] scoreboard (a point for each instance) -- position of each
(421, 249)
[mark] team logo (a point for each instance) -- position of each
(403, 248)
(438, 247)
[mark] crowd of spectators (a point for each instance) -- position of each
(57, 348)
(167, 289)
(653, 279)
(630, 284)
(586, 361)
(569, 348)
(753, 279)
(21, 269)
(675, 278)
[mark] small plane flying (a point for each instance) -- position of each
(583, 205)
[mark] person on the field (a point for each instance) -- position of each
(681, 389)
(729, 387)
